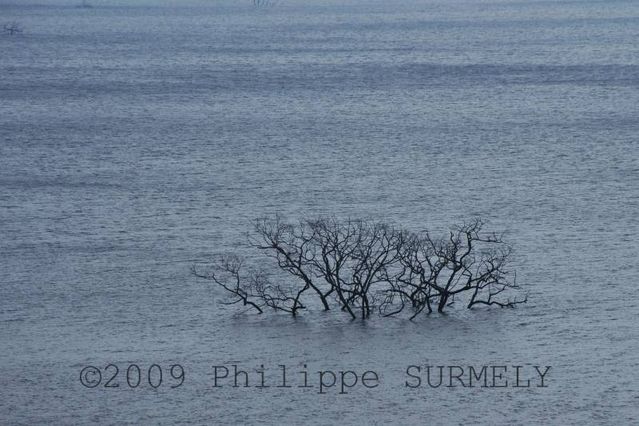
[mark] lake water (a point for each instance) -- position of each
(138, 139)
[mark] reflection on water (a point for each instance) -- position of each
(137, 140)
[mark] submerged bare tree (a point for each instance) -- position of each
(294, 248)
(247, 286)
(343, 259)
(226, 270)
(334, 244)
(13, 28)
(372, 257)
(468, 261)
(361, 264)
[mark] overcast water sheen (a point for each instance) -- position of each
(138, 139)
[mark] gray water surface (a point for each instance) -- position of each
(138, 139)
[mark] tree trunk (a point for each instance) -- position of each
(443, 299)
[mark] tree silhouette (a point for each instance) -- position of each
(361, 264)
(13, 28)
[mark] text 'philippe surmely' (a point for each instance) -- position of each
(342, 381)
